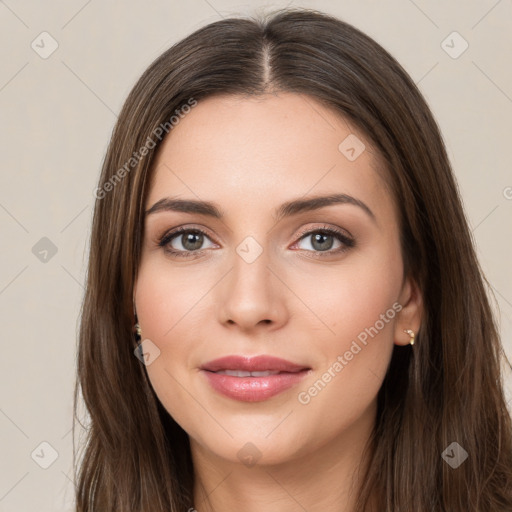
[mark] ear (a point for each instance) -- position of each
(411, 313)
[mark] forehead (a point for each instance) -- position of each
(265, 149)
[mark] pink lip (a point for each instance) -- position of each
(253, 364)
(253, 389)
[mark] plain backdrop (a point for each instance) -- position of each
(66, 69)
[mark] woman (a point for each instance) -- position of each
(284, 309)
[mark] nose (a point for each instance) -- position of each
(252, 296)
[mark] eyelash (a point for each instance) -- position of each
(347, 242)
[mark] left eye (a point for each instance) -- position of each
(324, 240)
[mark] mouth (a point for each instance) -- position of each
(253, 379)
(253, 365)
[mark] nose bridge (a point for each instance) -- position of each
(251, 293)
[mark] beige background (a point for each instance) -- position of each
(57, 116)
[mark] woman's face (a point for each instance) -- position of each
(318, 285)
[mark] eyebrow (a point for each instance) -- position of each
(285, 210)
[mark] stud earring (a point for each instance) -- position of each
(411, 334)
(137, 330)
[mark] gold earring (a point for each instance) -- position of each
(137, 329)
(411, 334)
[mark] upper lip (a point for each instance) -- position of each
(253, 364)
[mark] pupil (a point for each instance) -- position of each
(189, 239)
(320, 238)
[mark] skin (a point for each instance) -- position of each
(249, 156)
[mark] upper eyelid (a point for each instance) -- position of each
(301, 233)
(176, 232)
(324, 227)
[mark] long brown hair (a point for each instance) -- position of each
(447, 389)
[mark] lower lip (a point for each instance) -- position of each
(253, 389)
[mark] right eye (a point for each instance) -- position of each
(183, 241)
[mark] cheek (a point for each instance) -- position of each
(352, 332)
(167, 298)
(355, 351)
(171, 309)
(161, 304)
(351, 297)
